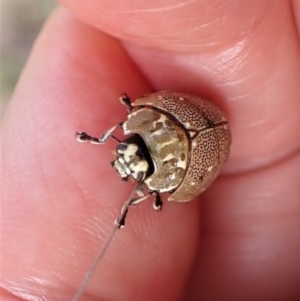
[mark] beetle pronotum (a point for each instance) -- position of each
(177, 144)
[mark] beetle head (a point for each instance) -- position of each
(133, 159)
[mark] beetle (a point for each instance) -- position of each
(177, 143)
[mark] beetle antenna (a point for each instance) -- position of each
(119, 223)
(118, 140)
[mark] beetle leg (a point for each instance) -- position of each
(120, 221)
(140, 191)
(138, 200)
(157, 204)
(84, 137)
(125, 101)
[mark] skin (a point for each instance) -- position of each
(60, 198)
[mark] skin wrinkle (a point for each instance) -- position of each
(76, 185)
(14, 290)
(18, 133)
(174, 34)
(238, 98)
(281, 159)
(155, 10)
(177, 6)
(239, 64)
(73, 180)
(61, 277)
(180, 5)
(264, 161)
(230, 54)
(256, 23)
(202, 26)
(14, 165)
(43, 177)
(66, 252)
(102, 228)
(38, 281)
(259, 211)
(249, 31)
(89, 226)
(129, 31)
(295, 7)
(79, 65)
(224, 70)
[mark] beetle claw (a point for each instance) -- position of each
(125, 100)
(157, 204)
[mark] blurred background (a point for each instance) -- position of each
(21, 21)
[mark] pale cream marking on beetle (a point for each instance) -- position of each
(172, 177)
(159, 133)
(193, 134)
(178, 163)
(162, 118)
(181, 164)
(187, 125)
(128, 171)
(210, 168)
(194, 143)
(132, 114)
(167, 189)
(126, 131)
(135, 168)
(168, 157)
(129, 152)
(120, 168)
(162, 145)
(121, 160)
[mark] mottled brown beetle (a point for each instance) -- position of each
(177, 144)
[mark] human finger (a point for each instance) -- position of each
(61, 198)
